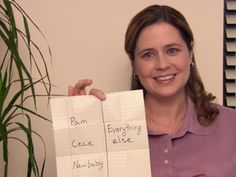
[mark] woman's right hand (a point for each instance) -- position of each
(80, 89)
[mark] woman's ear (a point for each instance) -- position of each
(132, 62)
(132, 65)
(191, 52)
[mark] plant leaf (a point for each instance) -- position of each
(3, 135)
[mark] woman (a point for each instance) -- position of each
(189, 135)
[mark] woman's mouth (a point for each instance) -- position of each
(165, 79)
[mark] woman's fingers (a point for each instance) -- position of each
(70, 91)
(80, 87)
(97, 93)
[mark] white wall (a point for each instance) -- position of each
(86, 39)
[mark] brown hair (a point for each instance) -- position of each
(194, 88)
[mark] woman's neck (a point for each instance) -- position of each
(165, 114)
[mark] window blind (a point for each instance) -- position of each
(229, 53)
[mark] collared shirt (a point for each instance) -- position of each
(195, 150)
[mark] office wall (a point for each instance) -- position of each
(86, 38)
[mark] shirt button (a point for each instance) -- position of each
(166, 162)
(166, 151)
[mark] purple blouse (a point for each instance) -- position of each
(196, 151)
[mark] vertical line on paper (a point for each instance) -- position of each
(69, 105)
(104, 126)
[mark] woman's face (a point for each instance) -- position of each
(162, 60)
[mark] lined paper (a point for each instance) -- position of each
(96, 138)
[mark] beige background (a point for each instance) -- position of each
(86, 38)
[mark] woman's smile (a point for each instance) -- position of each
(165, 78)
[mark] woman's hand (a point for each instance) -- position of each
(80, 89)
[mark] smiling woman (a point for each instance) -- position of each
(159, 29)
(184, 125)
(93, 38)
(162, 61)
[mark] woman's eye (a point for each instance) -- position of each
(172, 50)
(147, 55)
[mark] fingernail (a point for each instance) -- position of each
(103, 97)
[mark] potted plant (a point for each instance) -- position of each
(16, 73)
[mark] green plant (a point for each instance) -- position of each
(16, 71)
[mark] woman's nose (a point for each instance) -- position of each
(162, 62)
